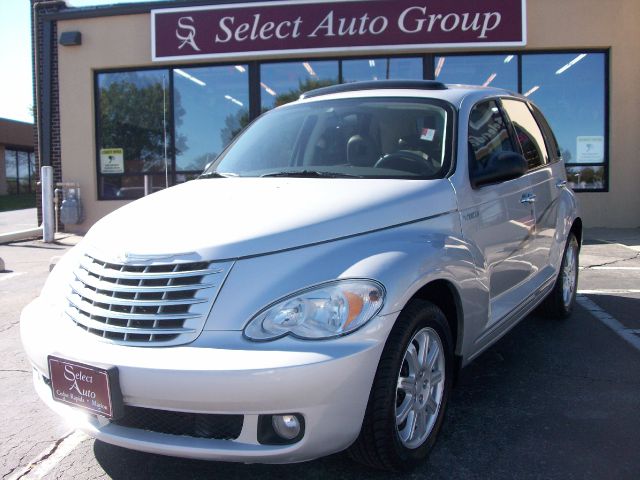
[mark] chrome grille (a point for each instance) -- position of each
(144, 304)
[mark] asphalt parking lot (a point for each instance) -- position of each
(553, 400)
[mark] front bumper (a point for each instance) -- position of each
(328, 382)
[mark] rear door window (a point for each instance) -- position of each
(488, 136)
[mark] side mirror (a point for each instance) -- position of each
(501, 167)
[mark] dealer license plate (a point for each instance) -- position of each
(91, 388)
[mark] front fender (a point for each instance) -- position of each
(404, 259)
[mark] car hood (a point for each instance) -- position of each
(225, 218)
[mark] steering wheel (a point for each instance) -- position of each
(408, 161)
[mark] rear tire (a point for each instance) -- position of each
(410, 391)
(561, 300)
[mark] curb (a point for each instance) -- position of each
(20, 235)
(54, 261)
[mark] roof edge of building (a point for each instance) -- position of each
(11, 120)
(71, 13)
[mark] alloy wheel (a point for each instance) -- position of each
(569, 270)
(420, 388)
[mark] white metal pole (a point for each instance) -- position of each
(164, 131)
(48, 223)
(148, 189)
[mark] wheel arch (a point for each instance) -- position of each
(576, 229)
(443, 294)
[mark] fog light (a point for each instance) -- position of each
(286, 426)
(280, 429)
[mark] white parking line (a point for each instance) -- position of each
(50, 457)
(612, 291)
(626, 334)
(609, 268)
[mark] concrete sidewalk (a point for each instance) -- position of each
(19, 225)
(612, 247)
(629, 237)
(16, 220)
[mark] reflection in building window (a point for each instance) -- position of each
(19, 172)
(282, 83)
(11, 171)
(23, 167)
(382, 69)
(586, 177)
(489, 70)
(133, 121)
(570, 90)
(211, 108)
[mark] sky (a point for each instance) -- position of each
(16, 97)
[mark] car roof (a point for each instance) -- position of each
(452, 93)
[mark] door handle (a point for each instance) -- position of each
(561, 184)
(528, 198)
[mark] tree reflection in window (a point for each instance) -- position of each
(235, 123)
(134, 116)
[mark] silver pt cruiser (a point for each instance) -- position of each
(319, 286)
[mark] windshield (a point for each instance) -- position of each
(360, 138)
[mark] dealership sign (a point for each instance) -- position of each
(339, 26)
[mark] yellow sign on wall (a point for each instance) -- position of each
(111, 160)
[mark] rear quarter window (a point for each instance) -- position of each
(528, 134)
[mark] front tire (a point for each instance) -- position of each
(561, 300)
(410, 391)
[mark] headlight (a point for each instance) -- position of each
(324, 311)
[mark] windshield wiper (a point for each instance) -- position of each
(217, 175)
(310, 174)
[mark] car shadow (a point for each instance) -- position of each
(623, 308)
(120, 464)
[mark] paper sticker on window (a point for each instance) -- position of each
(111, 160)
(590, 149)
(427, 134)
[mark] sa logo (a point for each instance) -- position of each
(187, 33)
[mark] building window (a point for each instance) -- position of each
(134, 134)
(283, 82)
(158, 127)
(489, 70)
(211, 105)
(402, 68)
(570, 90)
(19, 172)
(11, 171)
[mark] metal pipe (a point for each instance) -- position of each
(148, 189)
(46, 175)
(56, 202)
